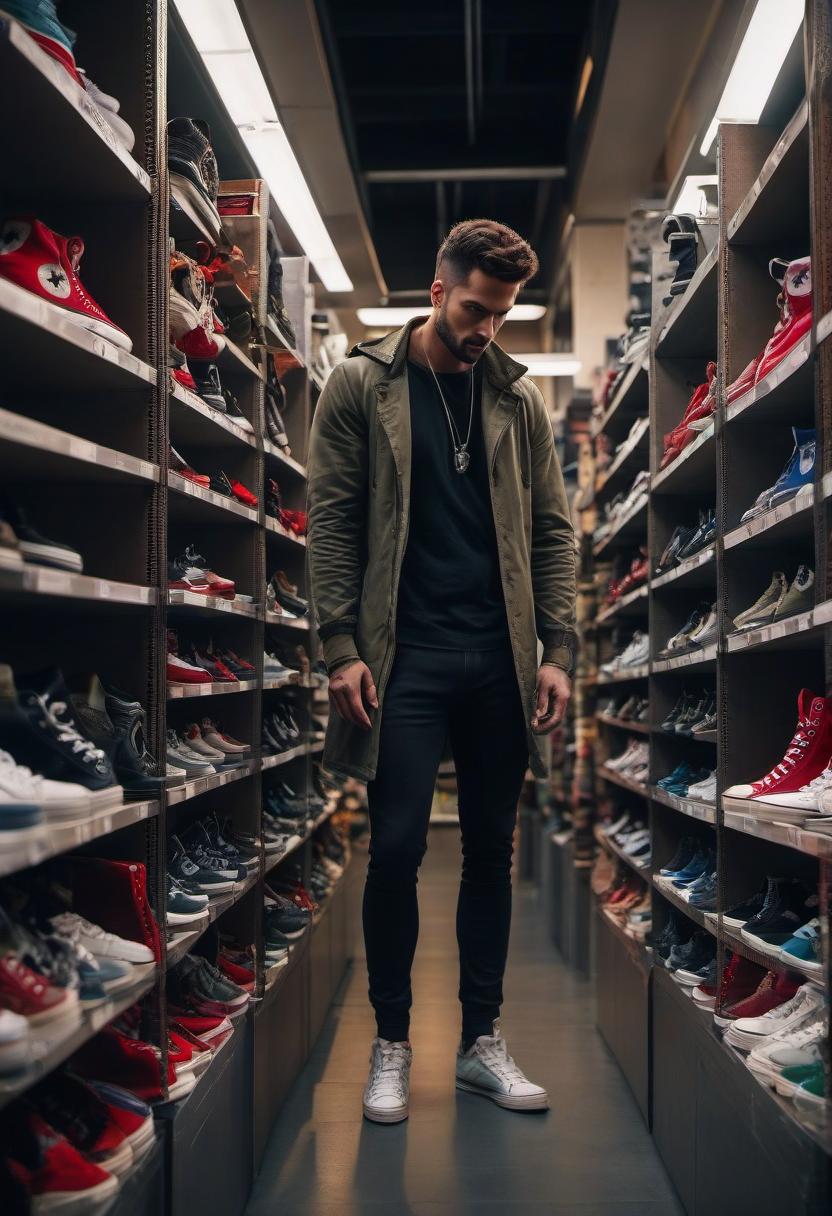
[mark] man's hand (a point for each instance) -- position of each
(554, 688)
(350, 689)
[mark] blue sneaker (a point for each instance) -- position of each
(682, 772)
(804, 947)
(702, 864)
(799, 472)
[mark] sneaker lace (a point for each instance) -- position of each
(66, 730)
(801, 740)
(494, 1054)
(390, 1070)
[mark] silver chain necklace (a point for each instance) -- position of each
(462, 457)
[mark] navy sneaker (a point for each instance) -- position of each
(681, 858)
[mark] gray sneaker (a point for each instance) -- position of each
(800, 597)
(486, 1068)
(387, 1096)
(763, 611)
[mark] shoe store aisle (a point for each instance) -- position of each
(590, 1155)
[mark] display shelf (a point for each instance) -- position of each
(193, 421)
(823, 328)
(58, 836)
(270, 683)
(275, 529)
(777, 205)
(232, 361)
(278, 621)
(631, 604)
(179, 692)
(638, 728)
(622, 677)
(704, 811)
(690, 327)
(75, 151)
(629, 525)
(698, 570)
(203, 785)
(804, 631)
(194, 602)
(790, 519)
(739, 815)
(57, 1040)
(626, 783)
(629, 395)
(691, 660)
(631, 456)
(692, 469)
(665, 888)
(188, 224)
(771, 960)
(636, 948)
(275, 341)
(779, 396)
(179, 945)
(37, 333)
(207, 502)
(301, 749)
(642, 868)
(30, 583)
(132, 1185)
(820, 1134)
(292, 845)
(273, 452)
(37, 452)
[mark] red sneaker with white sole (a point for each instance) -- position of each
(806, 756)
(203, 1026)
(797, 295)
(45, 264)
(177, 671)
(65, 1180)
(29, 994)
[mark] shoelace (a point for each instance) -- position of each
(820, 782)
(389, 1070)
(66, 730)
(803, 1034)
(496, 1058)
(800, 741)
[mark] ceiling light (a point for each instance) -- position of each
(550, 364)
(770, 33)
(377, 317)
(221, 39)
(691, 197)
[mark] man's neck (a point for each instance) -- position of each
(427, 348)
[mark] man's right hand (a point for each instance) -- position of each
(350, 689)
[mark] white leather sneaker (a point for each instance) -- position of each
(387, 1096)
(486, 1068)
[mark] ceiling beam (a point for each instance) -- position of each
(523, 173)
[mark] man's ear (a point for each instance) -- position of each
(437, 293)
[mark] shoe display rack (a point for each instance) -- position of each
(86, 428)
(685, 726)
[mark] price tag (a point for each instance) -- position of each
(104, 589)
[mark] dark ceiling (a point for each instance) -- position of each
(462, 85)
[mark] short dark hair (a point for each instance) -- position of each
(493, 248)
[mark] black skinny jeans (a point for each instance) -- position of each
(473, 697)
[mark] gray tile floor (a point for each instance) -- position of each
(458, 1154)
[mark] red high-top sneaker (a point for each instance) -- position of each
(113, 894)
(45, 264)
(773, 990)
(116, 1058)
(797, 289)
(806, 756)
(64, 1179)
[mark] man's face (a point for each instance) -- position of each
(471, 313)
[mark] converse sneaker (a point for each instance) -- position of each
(799, 471)
(800, 597)
(486, 1068)
(387, 1095)
(99, 942)
(764, 610)
(806, 756)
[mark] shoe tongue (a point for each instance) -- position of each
(74, 251)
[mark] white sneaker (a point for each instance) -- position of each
(196, 743)
(58, 799)
(486, 1068)
(748, 1033)
(807, 798)
(703, 791)
(387, 1096)
(99, 942)
(15, 1048)
(788, 1048)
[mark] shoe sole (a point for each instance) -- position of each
(206, 211)
(49, 555)
(187, 918)
(119, 1162)
(385, 1116)
(76, 1203)
(541, 1102)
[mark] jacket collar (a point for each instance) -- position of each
(391, 352)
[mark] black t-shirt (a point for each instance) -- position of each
(450, 593)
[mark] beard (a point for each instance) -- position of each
(465, 354)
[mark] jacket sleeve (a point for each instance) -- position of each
(553, 552)
(337, 503)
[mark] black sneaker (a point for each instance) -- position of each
(222, 844)
(209, 879)
(741, 913)
(201, 849)
(193, 167)
(788, 907)
(184, 902)
(209, 386)
(116, 724)
(38, 549)
(38, 728)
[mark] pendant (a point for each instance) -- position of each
(461, 459)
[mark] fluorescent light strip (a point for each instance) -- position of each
(691, 197)
(377, 317)
(221, 39)
(763, 51)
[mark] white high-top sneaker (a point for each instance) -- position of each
(486, 1068)
(387, 1096)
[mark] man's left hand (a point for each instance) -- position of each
(554, 688)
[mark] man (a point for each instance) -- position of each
(441, 550)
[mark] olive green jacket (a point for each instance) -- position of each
(359, 510)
